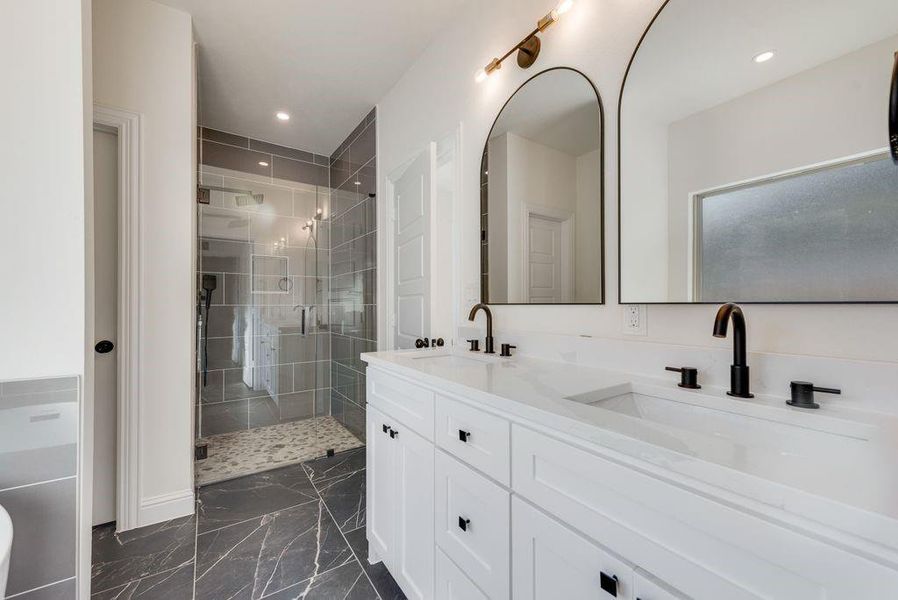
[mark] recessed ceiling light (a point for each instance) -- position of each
(262, 163)
(282, 116)
(763, 56)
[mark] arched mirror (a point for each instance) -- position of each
(754, 154)
(541, 238)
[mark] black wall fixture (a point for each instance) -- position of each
(893, 113)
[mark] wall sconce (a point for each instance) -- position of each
(528, 48)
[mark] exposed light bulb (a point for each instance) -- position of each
(763, 56)
(319, 211)
(262, 163)
(480, 76)
(282, 116)
(563, 7)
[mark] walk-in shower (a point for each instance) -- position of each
(263, 337)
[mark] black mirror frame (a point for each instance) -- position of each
(893, 139)
(480, 176)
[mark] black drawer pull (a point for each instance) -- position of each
(608, 583)
(393, 433)
(386, 428)
(463, 435)
(463, 523)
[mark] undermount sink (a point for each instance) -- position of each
(449, 359)
(740, 422)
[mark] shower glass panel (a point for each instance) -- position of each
(264, 343)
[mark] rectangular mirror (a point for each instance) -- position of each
(754, 159)
(541, 195)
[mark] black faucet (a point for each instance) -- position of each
(739, 382)
(488, 343)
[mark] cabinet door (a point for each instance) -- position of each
(551, 561)
(381, 487)
(414, 544)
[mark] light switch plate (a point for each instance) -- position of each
(634, 319)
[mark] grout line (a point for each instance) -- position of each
(358, 237)
(42, 587)
(36, 483)
(343, 535)
(249, 149)
(257, 517)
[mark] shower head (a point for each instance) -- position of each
(241, 198)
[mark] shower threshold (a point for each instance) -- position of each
(260, 449)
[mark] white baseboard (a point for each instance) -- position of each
(164, 507)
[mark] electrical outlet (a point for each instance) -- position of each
(634, 319)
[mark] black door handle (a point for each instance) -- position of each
(893, 113)
(104, 346)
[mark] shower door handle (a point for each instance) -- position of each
(303, 317)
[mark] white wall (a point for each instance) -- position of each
(597, 38)
(143, 62)
(587, 237)
(832, 111)
(42, 169)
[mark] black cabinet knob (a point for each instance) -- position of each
(104, 347)
(463, 523)
(688, 377)
(803, 394)
(386, 428)
(463, 435)
(506, 350)
(608, 583)
(394, 434)
(475, 345)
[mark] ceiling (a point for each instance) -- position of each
(558, 109)
(698, 54)
(326, 63)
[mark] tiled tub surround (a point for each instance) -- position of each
(295, 532)
(353, 269)
(39, 483)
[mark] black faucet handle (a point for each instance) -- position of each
(475, 345)
(803, 394)
(688, 377)
(506, 350)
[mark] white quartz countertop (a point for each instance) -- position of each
(833, 466)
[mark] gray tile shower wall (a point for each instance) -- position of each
(353, 270)
(268, 351)
(39, 484)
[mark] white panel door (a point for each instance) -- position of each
(413, 564)
(544, 262)
(550, 561)
(381, 486)
(452, 584)
(411, 218)
(105, 323)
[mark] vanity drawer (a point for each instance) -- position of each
(410, 404)
(473, 525)
(480, 439)
(693, 543)
(452, 584)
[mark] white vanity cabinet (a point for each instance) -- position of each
(401, 502)
(468, 500)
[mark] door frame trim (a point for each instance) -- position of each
(127, 126)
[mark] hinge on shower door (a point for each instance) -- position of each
(203, 195)
(201, 452)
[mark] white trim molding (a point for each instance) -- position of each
(164, 507)
(127, 126)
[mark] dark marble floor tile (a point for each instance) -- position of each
(268, 554)
(176, 584)
(121, 558)
(345, 498)
(347, 581)
(338, 465)
(383, 581)
(229, 502)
